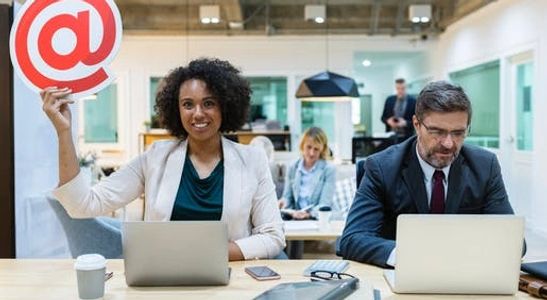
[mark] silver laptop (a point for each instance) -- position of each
(175, 253)
(457, 254)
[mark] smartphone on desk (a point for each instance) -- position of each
(262, 273)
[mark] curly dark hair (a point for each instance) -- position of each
(221, 78)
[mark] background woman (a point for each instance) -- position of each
(311, 179)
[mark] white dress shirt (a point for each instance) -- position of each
(428, 171)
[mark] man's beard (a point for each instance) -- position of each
(437, 163)
(441, 163)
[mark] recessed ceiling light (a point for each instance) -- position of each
(315, 13)
(419, 13)
(366, 63)
(209, 14)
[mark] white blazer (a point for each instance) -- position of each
(250, 203)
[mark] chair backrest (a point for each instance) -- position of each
(344, 194)
(100, 235)
(360, 171)
(363, 146)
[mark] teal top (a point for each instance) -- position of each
(199, 199)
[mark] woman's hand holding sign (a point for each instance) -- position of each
(55, 105)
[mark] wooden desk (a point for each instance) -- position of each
(332, 233)
(56, 279)
(280, 139)
(147, 138)
(244, 137)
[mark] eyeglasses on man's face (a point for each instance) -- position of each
(441, 134)
(328, 275)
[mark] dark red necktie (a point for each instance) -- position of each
(437, 193)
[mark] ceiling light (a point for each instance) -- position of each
(419, 13)
(209, 14)
(316, 13)
(366, 63)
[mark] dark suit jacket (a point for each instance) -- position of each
(393, 184)
(409, 112)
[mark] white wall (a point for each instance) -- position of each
(38, 232)
(416, 68)
(293, 56)
(498, 31)
(379, 84)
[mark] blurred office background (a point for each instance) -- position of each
(493, 49)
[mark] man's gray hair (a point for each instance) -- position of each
(444, 97)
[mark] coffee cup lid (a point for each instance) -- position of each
(88, 262)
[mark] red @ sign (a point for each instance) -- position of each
(66, 43)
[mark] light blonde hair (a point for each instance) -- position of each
(318, 136)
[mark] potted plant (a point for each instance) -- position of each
(87, 164)
(147, 125)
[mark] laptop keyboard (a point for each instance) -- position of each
(337, 266)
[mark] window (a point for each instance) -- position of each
(361, 115)
(101, 116)
(269, 99)
(154, 84)
(319, 114)
(482, 85)
(524, 78)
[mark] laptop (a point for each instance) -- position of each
(457, 254)
(175, 253)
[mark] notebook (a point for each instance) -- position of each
(324, 290)
(301, 226)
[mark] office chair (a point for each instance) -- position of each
(359, 171)
(95, 235)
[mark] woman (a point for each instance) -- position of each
(310, 180)
(199, 176)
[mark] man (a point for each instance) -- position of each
(433, 172)
(398, 111)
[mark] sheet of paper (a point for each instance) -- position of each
(301, 225)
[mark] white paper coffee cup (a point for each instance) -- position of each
(90, 271)
(324, 219)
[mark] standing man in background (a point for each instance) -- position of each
(398, 111)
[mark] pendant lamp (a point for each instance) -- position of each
(327, 87)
